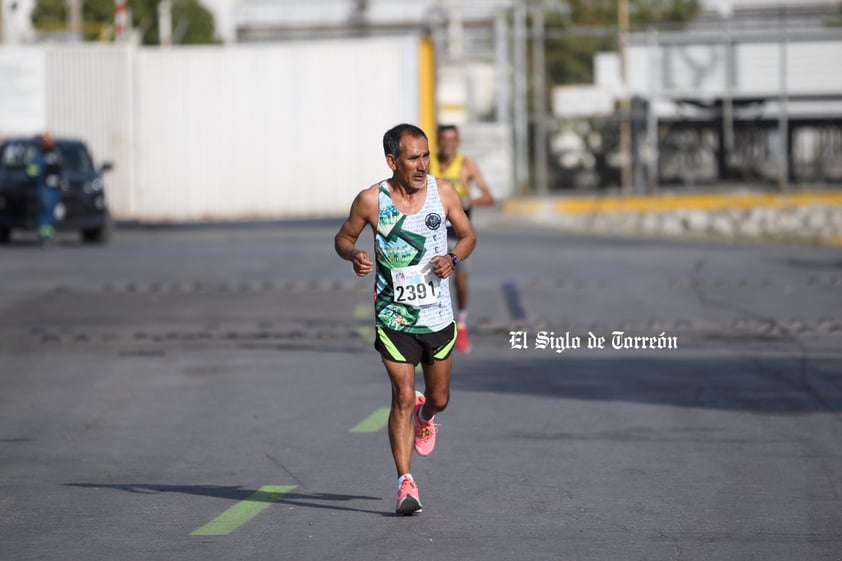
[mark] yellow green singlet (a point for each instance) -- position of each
(452, 173)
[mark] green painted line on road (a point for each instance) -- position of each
(244, 511)
(366, 333)
(362, 311)
(373, 422)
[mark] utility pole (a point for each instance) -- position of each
(455, 32)
(539, 105)
(501, 58)
(728, 98)
(520, 111)
(783, 117)
(625, 103)
(74, 19)
(165, 23)
(652, 115)
(120, 20)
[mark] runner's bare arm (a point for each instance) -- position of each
(363, 212)
(471, 172)
(443, 264)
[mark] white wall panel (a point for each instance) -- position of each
(812, 68)
(89, 96)
(23, 95)
(267, 131)
(700, 70)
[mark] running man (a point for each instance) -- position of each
(413, 311)
(452, 165)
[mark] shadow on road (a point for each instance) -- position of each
(768, 385)
(802, 263)
(327, 501)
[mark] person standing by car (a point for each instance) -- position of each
(46, 169)
(413, 311)
(450, 164)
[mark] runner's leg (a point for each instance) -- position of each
(436, 387)
(401, 428)
(461, 279)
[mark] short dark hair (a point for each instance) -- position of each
(392, 138)
(443, 128)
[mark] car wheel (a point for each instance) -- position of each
(5, 235)
(98, 235)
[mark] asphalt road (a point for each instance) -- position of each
(211, 394)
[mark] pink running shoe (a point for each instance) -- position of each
(463, 344)
(408, 501)
(425, 433)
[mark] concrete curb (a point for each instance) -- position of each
(804, 217)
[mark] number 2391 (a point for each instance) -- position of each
(413, 292)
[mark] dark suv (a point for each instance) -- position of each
(82, 206)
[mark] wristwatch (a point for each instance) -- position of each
(453, 258)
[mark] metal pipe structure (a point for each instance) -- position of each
(783, 117)
(651, 114)
(501, 57)
(539, 104)
(625, 102)
(521, 116)
(74, 19)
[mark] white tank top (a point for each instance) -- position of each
(408, 296)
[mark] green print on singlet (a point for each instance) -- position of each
(404, 240)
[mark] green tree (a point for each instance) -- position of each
(641, 12)
(590, 27)
(49, 15)
(194, 24)
(569, 54)
(190, 19)
(573, 38)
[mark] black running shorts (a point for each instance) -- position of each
(412, 348)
